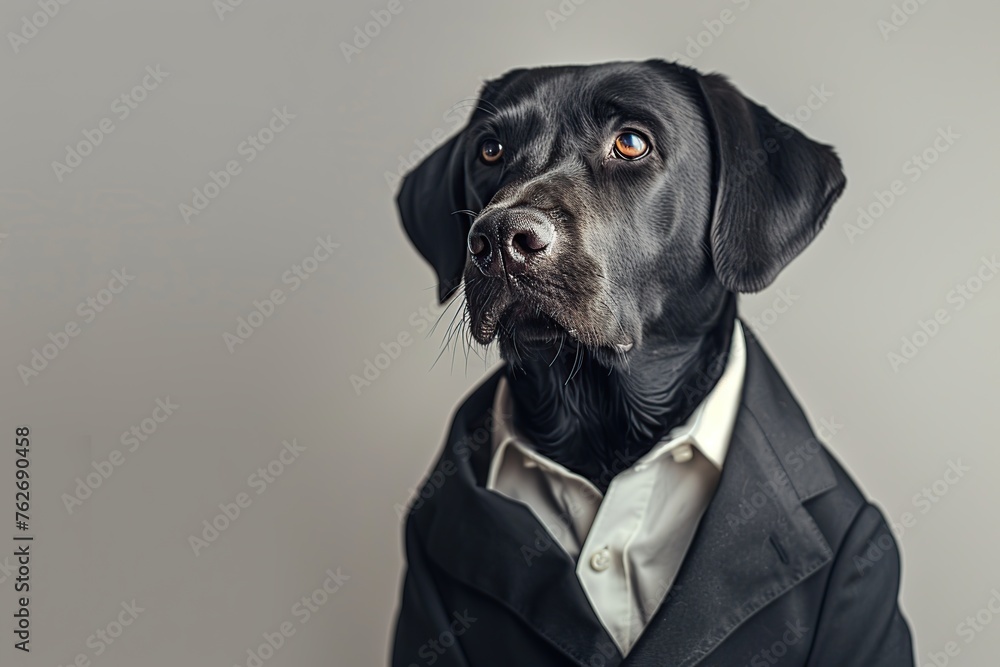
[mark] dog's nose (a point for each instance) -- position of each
(510, 241)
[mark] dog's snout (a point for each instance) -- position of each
(510, 241)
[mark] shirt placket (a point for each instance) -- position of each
(603, 567)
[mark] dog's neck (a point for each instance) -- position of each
(605, 418)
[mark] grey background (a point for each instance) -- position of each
(852, 299)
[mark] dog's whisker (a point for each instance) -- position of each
(475, 104)
(451, 323)
(562, 339)
(573, 366)
(579, 365)
(459, 297)
(486, 101)
(454, 350)
(444, 348)
(452, 330)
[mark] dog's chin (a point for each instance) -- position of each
(523, 331)
(520, 335)
(516, 327)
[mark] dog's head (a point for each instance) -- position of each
(601, 204)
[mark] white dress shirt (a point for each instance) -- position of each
(629, 544)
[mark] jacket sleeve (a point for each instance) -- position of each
(424, 626)
(860, 622)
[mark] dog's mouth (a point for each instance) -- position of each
(522, 322)
(508, 319)
(526, 327)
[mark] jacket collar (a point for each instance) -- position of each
(755, 542)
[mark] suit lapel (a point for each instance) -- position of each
(756, 541)
(497, 546)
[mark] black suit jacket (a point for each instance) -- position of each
(790, 564)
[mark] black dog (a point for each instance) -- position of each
(601, 221)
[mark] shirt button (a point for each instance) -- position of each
(683, 453)
(601, 560)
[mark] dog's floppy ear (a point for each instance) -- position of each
(429, 202)
(773, 188)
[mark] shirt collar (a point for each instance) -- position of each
(506, 439)
(709, 428)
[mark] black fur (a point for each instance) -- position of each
(620, 325)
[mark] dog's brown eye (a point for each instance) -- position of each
(491, 151)
(630, 146)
